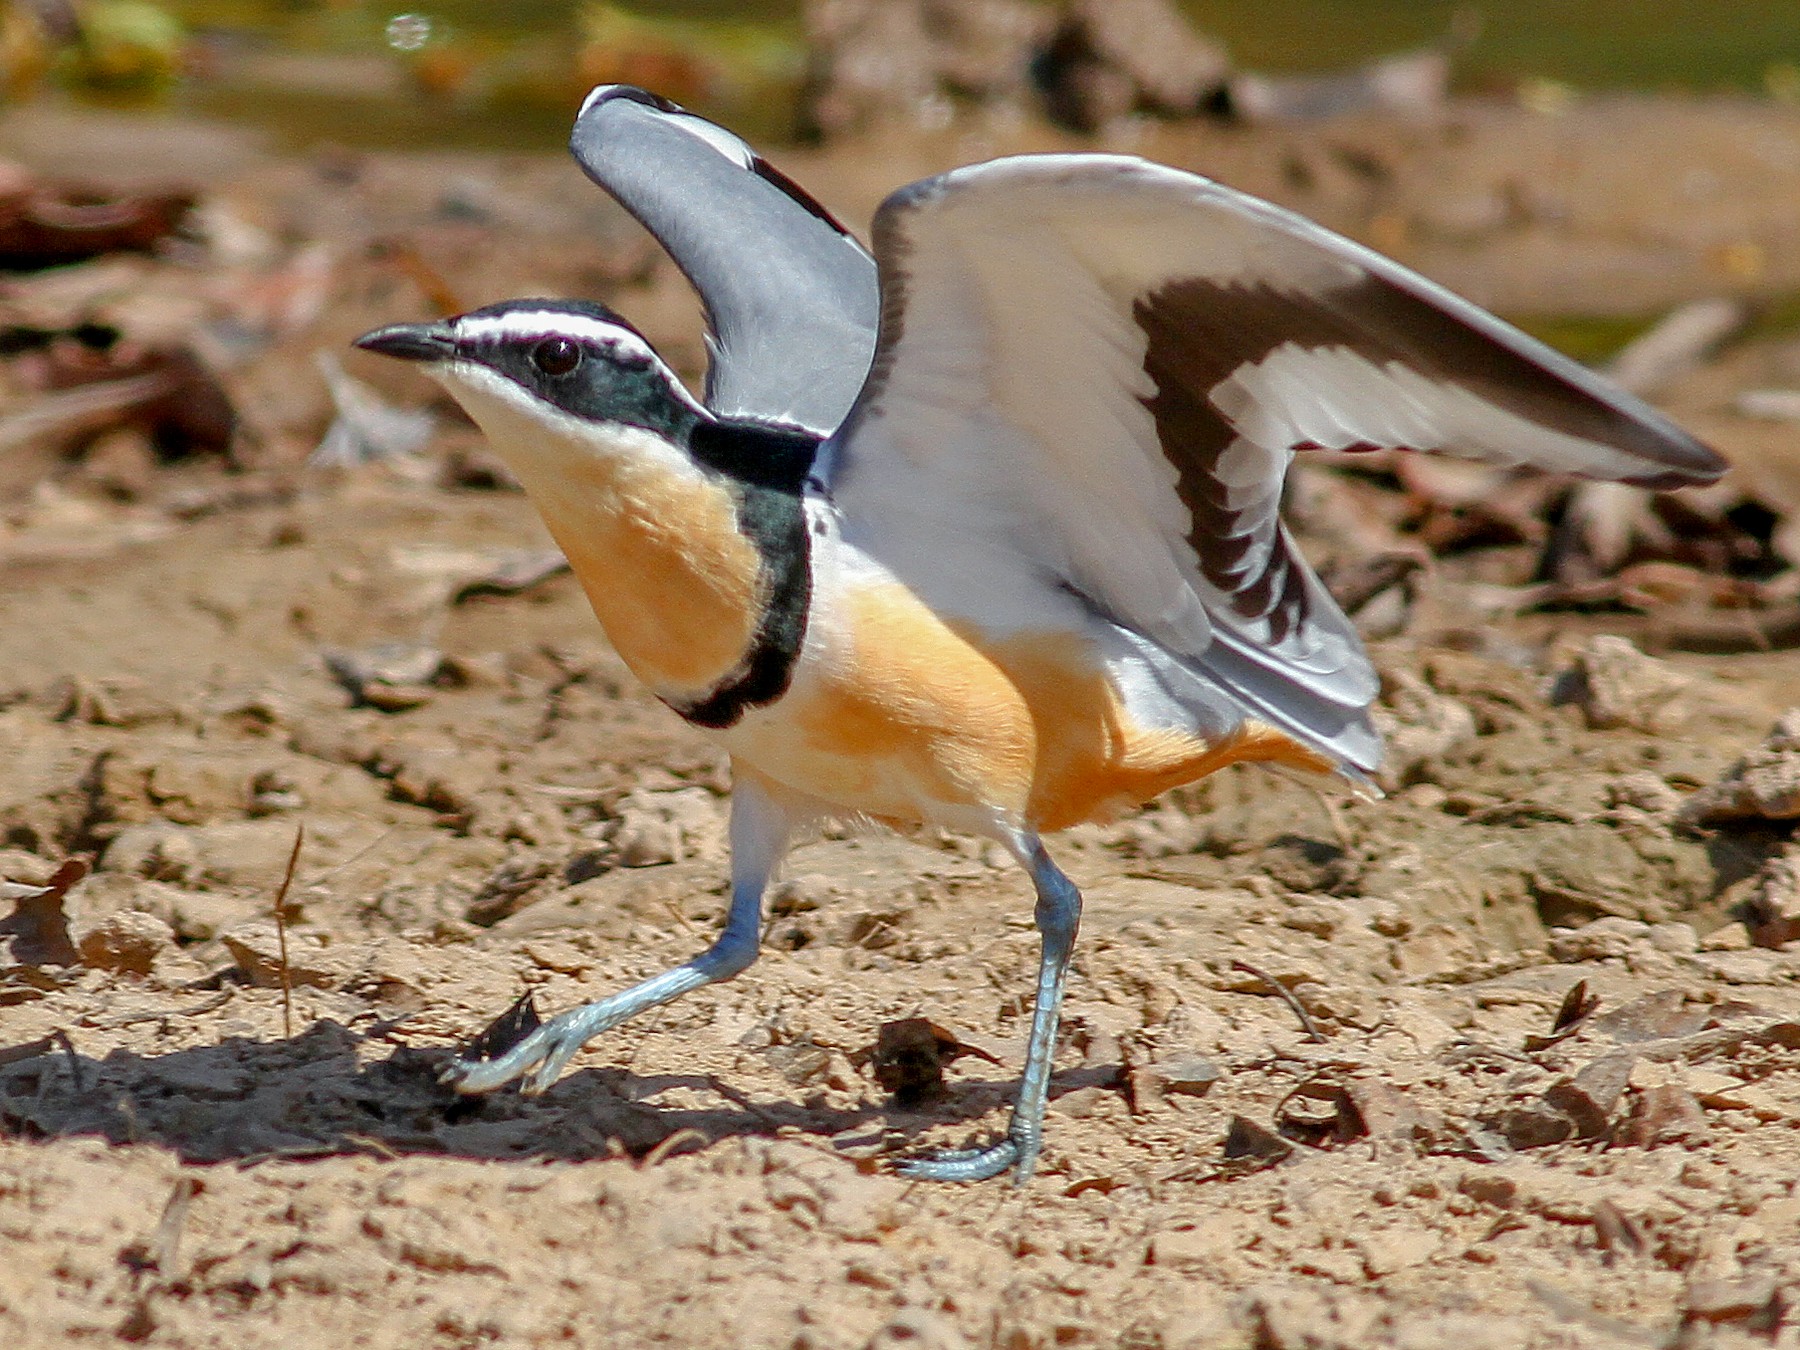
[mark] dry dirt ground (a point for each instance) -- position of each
(187, 1161)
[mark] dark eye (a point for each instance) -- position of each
(556, 356)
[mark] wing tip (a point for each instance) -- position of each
(608, 93)
(584, 134)
(585, 137)
(1686, 462)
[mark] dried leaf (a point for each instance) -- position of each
(1408, 82)
(53, 224)
(404, 256)
(1591, 1096)
(1340, 1124)
(65, 413)
(1576, 1007)
(505, 1031)
(1104, 1185)
(1660, 1115)
(367, 427)
(1773, 405)
(1246, 1141)
(1676, 343)
(39, 927)
(910, 1055)
(1355, 583)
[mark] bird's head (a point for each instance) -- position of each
(550, 377)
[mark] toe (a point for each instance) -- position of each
(474, 1077)
(961, 1165)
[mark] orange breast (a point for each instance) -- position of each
(672, 579)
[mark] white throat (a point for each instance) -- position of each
(538, 440)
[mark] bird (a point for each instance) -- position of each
(1018, 562)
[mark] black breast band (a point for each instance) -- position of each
(768, 466)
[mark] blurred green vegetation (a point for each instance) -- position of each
(474, 73)
(1642, 44)
(1596, 338)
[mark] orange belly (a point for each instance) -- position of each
(904, 719)
(1093, 760)
(917, 713)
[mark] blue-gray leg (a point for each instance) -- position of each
(760, 828)
(1058, 919)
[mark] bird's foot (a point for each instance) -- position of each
(538, 1060)
(973, 1164)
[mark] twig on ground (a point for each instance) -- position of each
(681, 919)
(666, 1146)
(742, 1102)
(218, 1001)
(369, 1144)
(287, 975)
(355, 857)
(1287, 997)
(68, 1047)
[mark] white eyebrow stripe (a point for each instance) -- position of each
(543, 323)
(536, 324)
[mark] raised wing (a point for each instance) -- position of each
(1104, 367)
(791, 296)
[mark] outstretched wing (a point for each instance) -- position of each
(791, 296)
(1101, 368)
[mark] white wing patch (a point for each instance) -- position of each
(1333, 398)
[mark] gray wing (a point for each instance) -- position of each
(791, 297)
(1095, 371)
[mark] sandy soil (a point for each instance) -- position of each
(181, 1166)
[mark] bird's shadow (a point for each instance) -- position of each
(320, 1094)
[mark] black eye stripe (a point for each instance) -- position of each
(560, 355)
